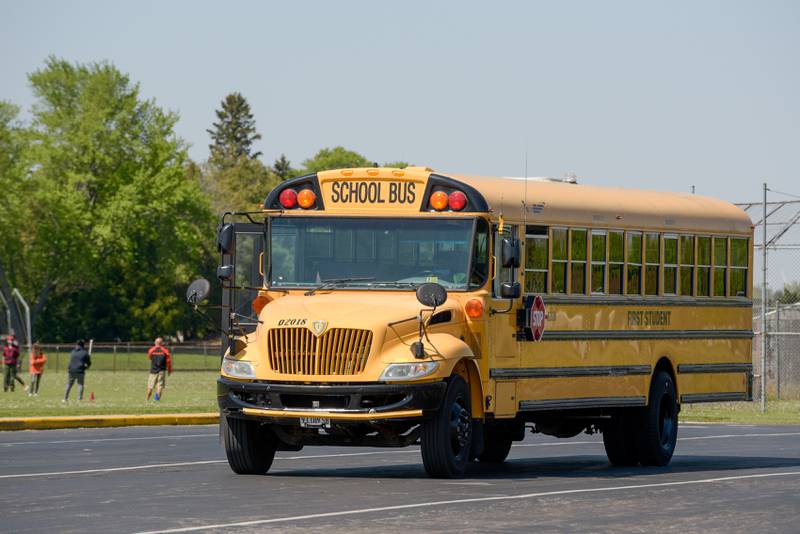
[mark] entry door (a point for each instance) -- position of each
(503, 326)
(249, 261)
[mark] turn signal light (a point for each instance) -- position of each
(439, 200)
(306, 198)
(474, 308)
(457, 200)
(288, 198)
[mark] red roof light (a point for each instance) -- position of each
(288, 198)
(457, 200)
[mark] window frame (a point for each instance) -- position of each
(640, 233)
(605, 263)
(546, 270)
(664, 265)
(647, 263)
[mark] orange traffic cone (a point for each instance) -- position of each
(91, 396)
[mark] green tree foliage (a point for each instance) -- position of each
(234, 132)
(242, 186)
(789, 294)
(115, 224)
(336, 158)
(396, 164)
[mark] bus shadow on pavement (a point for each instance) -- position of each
(584, 466)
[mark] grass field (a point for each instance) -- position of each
(783, 412)
(121, 392)
(135, 360)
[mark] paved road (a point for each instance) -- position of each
(724, 478)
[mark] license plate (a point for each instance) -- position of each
(315, 422)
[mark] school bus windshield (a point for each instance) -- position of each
(395, 253)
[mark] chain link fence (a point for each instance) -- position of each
(782, 307)
(132, 356)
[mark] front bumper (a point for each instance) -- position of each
(356, 403)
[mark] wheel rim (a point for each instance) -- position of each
(460, 427)
(666, 421)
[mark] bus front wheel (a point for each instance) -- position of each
(658, 430)
(249, 446)
(447, 436)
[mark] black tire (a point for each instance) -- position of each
(249, 446)
(496, 445)
(619, 439)
(447, 436)
(658, 428)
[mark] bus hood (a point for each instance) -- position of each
(342, 309)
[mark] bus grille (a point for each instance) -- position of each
(339, 351)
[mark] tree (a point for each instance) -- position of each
(115, 226)
(234, 133)
(283, 168)
(241, 186)
(396, 164)
(336, 158)
(789, 294)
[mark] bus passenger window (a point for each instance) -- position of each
(652, 263)
(670, 265)
(703, 266)
(738, 267)
(687, 265)
(634, 257)
(536, 259)
(616, 259)
(577, 261)
(720, 265)
(559, 264)
(598, 261)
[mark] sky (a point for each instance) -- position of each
(658, 95)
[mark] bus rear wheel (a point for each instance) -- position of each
(249, 446)
(658, 429)
(447, 436)
(619, 439)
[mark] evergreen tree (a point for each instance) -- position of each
(283, 168)
(234, 133)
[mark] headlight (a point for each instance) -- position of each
(408, 371)
(238, 368)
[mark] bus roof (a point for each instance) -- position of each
(555, 202)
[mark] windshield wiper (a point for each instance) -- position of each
(396, 283)
(333, 282)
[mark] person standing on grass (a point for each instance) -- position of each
(36, 368)
(160, 366)
(79, 361)
(10, 363)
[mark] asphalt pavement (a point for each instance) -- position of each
(723, 478)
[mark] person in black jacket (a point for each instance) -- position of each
(79, 361)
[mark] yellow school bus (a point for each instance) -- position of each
(390, 307)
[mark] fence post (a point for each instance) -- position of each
(778, 350)
(114, 360)
(58, 356)
(764, 305)
(128, 367)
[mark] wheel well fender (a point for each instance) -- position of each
(665, 364)
(468, 370)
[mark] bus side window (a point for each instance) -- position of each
(558, 266)
(536, 256)
(507, 274)
(738, 274)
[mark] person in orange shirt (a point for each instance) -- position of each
(36, 368)
(160, 366)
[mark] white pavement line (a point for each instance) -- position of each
(767, 435)
(471, 500)
(111, 469)
(96, 440)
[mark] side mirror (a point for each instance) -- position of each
(431, 294)
(225, 272)
(225, 239)
(198, 291)
(510, 290)
(509, 253)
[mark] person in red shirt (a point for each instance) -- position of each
(11, 362)
(36, 368)
(160, 366)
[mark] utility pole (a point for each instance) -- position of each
(764, 306)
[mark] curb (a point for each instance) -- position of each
(100, 421)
